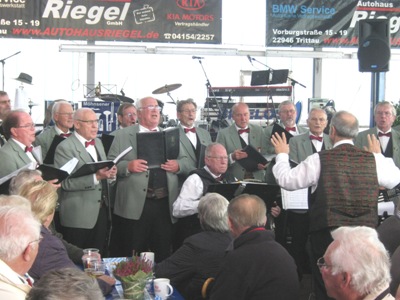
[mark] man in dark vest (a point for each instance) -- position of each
(346, 182)
(195, 186)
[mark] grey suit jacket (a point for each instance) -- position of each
(268, 133)
(12, 158)
(229, 137)
(132, 187)
(301, 146)
(188, 161)
(361, 140)
(45, 139)
(79, 198)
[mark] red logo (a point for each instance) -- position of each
(191, 4)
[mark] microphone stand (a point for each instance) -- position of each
(209, 88)
(3, 61)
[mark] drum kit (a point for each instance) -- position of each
(164, 122)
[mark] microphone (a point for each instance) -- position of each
(197, 57)
(250, 59)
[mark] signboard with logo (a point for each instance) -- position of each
(106, 113)
(171, 21)
(326, 23)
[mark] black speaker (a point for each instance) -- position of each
(373, 45)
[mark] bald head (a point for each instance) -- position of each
(345, 126)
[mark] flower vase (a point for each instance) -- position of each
(134, 289)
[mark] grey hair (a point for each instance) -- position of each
(317, 109)
(57, 105)
(210, 148)
(213, 212)
(286, 102)
(22, 177)
(361, 254)
(345, 123)
(18, 228)
(65, 284)
(385, 103)
(247, 210)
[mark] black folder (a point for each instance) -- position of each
(49, 159)
(50, 173)
(158, 146)
(280, 130)
(107, 140)
(93, 167)
(202, 155)
(270, 193)
(252, 160)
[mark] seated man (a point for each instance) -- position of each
(201, 254)
(257, 267)
(65, 284)
(356, 265)
(19, 244)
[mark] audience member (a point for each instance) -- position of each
(26, 176)
(193, 140)
(236, 137)
(62, 115)
(356, 265)
(257, 267)
(19, 244)
(347, 190)
(66, 284)
(302, 146)
(52, 253)
(83, 200)
(201, 254)
(287, 119)
(5, 107)
(389, 231)
(384, 115)
(127, 115)
(142, 219)
(17, 152)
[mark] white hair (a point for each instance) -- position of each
(361, 254)
(18, 228)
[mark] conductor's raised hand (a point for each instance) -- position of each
(373, 144)
(137, 166)
(279, 143)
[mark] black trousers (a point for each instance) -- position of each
(89, 238)
(152, 232)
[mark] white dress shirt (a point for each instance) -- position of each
(188, 200)
(307, 172)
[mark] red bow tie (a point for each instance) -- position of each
(318, 138)
(388, 134)
(190, 129)
(240, 131)
(290, 128)
(28, 149)
(219, 178)
(65, 135)
(92, 142)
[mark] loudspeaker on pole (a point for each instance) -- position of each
(373, 45)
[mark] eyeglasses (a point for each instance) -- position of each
(219, 157)
(30, 126)
(290, 111)
(91, 122)
(37, 241)
(186, 111)
(151, 107)
(130, 115)
(383, 113)
(321, 263)
(68, 114)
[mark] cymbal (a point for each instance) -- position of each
(167, 88)
(115, 98)
(30, 103)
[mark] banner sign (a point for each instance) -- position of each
(326, 23)
(169, 21)
(106, 113)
